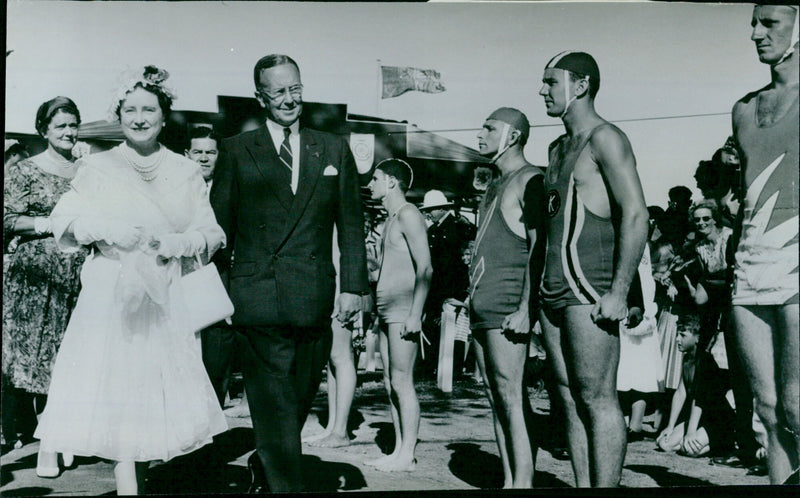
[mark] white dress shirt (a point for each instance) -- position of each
(276, 133)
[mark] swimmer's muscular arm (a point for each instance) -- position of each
(614, 157)
(412, 226)
(532, 204)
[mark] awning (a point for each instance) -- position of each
(426, 145)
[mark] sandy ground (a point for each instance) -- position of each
(456, 451)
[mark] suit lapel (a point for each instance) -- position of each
(310, 166)
(266, 160)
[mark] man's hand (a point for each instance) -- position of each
(518, 322)
(610, 307)
(349, 306)
(411, 326)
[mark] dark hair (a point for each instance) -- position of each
(203, 132)
(399, 169)
(269, 61)
(49, 109)
(656, 214)
(680, 193)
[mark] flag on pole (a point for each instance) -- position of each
(399, 80)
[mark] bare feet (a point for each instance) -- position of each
(317, 436)
(382, 460)
(399, 464)
(331, 441)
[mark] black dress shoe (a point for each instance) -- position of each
(258, 481)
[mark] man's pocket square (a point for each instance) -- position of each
(330, 171)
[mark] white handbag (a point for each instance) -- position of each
(206, 299)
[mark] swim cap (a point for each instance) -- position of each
(513, 117)
(795, 35)
(579, 63)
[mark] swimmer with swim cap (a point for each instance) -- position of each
(580, 64)
(511, 119)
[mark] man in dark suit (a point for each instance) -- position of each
(277, 193)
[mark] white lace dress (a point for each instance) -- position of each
(129, 382)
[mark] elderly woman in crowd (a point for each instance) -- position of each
(129, 383)
(41, 283)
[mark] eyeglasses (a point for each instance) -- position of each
(296, 91)
(702, 218)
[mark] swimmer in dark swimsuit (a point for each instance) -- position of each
(597, 225)
(403, 283)
(510, 229)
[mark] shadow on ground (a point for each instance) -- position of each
(484, 470)
(328, 477)
(474, 466)
(384, 438)
(28, 491)
(6, 472)
(354, 420)
(206, 470)
(664, 477)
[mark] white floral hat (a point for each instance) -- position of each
(149, 77)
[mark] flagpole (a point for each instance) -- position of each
(379, 90)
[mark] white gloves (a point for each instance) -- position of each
(117, 233)
(41, 225)
(174, 245)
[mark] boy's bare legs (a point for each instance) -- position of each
(403, 354)
(383, 347)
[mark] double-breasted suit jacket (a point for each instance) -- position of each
(282, 272)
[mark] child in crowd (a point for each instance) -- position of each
(700, 420)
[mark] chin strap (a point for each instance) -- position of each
(503, 141)
(569, 100)
(795, 37)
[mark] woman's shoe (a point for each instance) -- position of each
(47, 464)
(68, 459)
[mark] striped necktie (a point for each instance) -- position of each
(286, 150)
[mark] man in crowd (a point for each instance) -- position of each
(448, 236)
(217, 340)
(403, 282)
(282, 284)
(765, 288)
(510, 230)
(597, 226)
(204, 150)
(675, 225)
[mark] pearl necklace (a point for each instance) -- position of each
(147, 172)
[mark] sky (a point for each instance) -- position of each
(656, 60)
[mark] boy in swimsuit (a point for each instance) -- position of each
(597, 225)
(403, 283)
(510, 230)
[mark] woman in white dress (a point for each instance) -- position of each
(129, 383)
